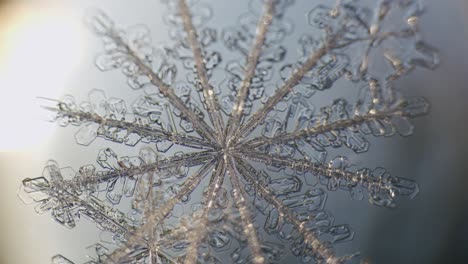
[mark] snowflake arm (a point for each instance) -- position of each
(246, 218)
(395, 22)
(87, 180)
(379, 119)
(199, 232)
(208, 91)
(383, 189)
(251, 66)
(158, 215)
(318, 247)
(132, 167)
(133, 128)
(104, 27)
(66, 205)
(280, 93)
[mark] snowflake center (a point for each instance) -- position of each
(225, 152)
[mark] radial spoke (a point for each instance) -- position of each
(102, 22)
(383, 189)
(280, 93)
(143, 130)
(272, 101)
(68, 200)
(302, 165)
(156, 255)
(156, 216)
(199, 124)
(95, 210)
(395, 113)
(246, 218)
(82, 182)
(197, 235)
(316, 130)
(153, 255)
(252, 61)
(321, 249)
(208, 91)
(147, 200)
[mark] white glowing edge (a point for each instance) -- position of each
(39, 52)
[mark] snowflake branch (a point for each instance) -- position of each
(85, 180)
(146, 201)
(287, 87)
(252, 61)
(246, 218)
(378, 112)
(383, 189)
(321, 249)
(106, 28)
(153, 250)
(110, 218)
(177, 234)
(154, 255)
(199, 124)
(208, 91)
(151, 254)
(139, 128)
(199, 232)
(157, 216)
(66, 202)
(319, 129)
(376, 36)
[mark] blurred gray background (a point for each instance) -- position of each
(432, 228)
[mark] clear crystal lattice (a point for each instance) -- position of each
(253, 186)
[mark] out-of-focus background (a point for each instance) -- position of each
(46, 51)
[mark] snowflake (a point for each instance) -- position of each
(250, 147)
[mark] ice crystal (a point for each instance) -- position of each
(240, 186)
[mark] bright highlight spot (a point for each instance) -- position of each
(39, 49)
